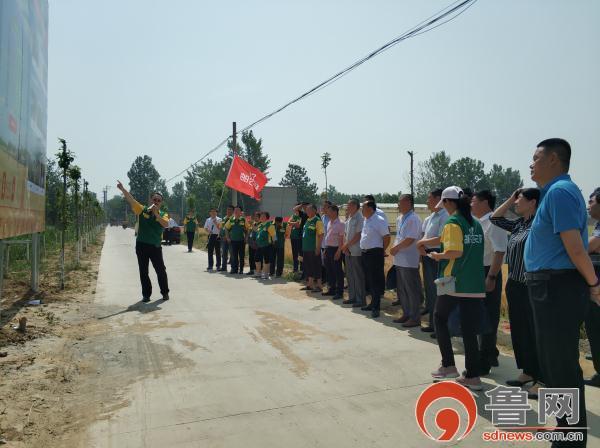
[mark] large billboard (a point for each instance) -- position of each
(23, 115)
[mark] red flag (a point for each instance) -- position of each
(246, 179)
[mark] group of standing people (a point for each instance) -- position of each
(553, 270)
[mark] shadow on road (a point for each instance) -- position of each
(140, 307)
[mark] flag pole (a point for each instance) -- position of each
(234, 192)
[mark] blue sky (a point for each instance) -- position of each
(166, 79)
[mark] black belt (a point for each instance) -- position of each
(548, 273)
(375, 249)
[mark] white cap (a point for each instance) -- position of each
(453, 192)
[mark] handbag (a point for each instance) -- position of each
(445, 285)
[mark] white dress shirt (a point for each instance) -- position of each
(408, 226)
(211, 226)
(496, 239)
(373, 231)
(433, 225)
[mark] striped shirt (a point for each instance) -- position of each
(519, 231)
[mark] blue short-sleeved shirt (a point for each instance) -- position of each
(561, 208)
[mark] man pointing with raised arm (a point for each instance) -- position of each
(152, 221)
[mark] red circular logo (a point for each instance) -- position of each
(447, 419)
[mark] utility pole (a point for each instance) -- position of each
(105, 200)
(233, 192)
(412, 173)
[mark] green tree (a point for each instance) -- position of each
(205, 184)
(116, 208)
(177, 199)
(296, 176)
(253, 152)
(468, 173)
(431, 174)
(337, 197)
(440, 172)
(503, 182)
(53, 187)
(144, 179)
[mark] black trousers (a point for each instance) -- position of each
(335, 273)
(373, 263)
(224, 254)
(296, 252)
(252, 258)
(592, 328)
(559, 305)
(522, 328)
(469, 309)
(430, 271)
(214, 248)
(487, 342)
(238, 253)
(277, 261)
(190, 239)
(147, 253)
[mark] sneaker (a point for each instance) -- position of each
(470, 383)
(145, 299)
(445, 373)
(165, 297)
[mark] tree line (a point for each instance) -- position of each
(203, 186)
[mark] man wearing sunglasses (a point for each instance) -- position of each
(151, 221)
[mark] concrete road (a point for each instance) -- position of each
(233, 362)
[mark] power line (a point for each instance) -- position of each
(442, 17)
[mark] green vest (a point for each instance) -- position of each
(296, 232)
(190, 227)
(149, 230)
(263, 239)
(280, 232)
(237, 231)
(468, 269)
(222, 230)
(309, 234)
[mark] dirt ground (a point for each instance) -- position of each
(41, 368)
(69, 369)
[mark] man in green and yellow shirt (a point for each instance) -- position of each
(190, 223)
(312, 236)
(236, 229)
(281, 233)
(265, 238)
(151, 223)
(225, 245)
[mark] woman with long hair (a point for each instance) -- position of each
(520, 314)
(461, 284)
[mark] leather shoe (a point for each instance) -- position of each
(347, 302)
(433, 335)
(375, 313)
(357, 305)
(424, 312)
(411, 324)
(593, 381)
(367, 308)
(427, 329)
(396, 303)
(336, 297)
(328, 293)
(401, 320)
